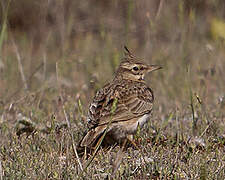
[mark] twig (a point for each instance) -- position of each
(57, 75)
(67, 120)
(1, 171)
(45, 64)
(194, 120)
(43, 79)
(206, 129)
(71, 134)
(3, 28)
(20, 65)
(159, 9)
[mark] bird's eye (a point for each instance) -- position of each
(135, 68)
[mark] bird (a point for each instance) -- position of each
(123, 105)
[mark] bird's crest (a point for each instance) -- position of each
(128, 54)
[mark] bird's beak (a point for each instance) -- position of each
(153, 68)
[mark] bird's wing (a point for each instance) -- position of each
(112, 104)
(95, 115)
(134, 102)
(131, 101)
(116, 104)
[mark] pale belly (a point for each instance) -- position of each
(132, 128)
(121, 130)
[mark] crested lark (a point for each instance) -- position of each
(133, 101)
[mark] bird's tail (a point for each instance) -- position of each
(91, 138)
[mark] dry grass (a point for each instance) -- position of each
(54, 58)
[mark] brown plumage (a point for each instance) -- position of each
(132, 98)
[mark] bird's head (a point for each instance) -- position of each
(132, 69)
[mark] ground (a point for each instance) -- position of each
(55, 57)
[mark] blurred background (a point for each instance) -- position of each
(55, 47)
(54, 56)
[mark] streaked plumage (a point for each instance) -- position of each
(134, 102)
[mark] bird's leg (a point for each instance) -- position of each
(130, 139)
